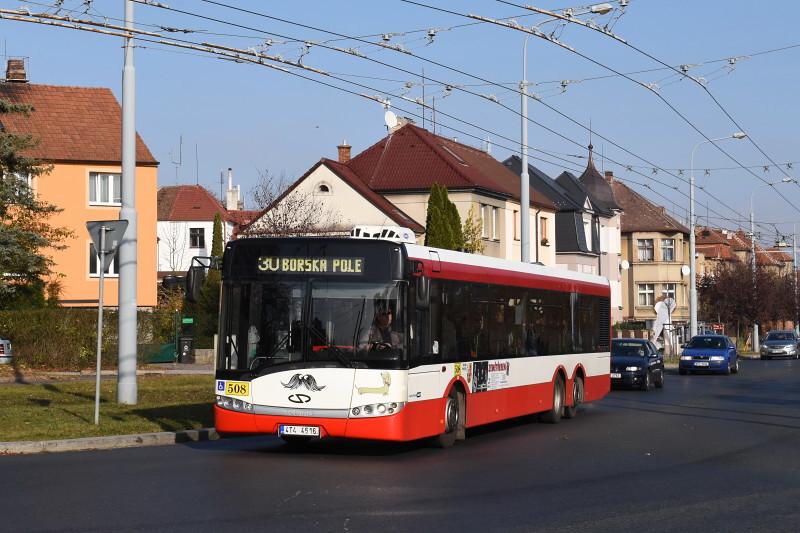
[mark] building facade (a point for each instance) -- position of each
(78, 130)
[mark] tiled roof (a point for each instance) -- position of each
(347, 175)
(780, 255)
(639, 214)
(600, 192)
(413, 159)
(182, 203)
(70, 123)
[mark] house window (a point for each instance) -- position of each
(544, 234)
(105, 188)
(494, 223)
(646, 293)
(645, 249)
(323, 188)
(668, 249)
(484, 223)
(197, 238)
(94, 261)
(668, 290)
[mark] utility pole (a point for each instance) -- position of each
(756, 344)
(524, 181)
(126, 376)
(794, 275)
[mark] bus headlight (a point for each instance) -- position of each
(376, 409)
(234, 404)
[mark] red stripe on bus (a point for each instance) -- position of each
(482, 274)
(418, 419)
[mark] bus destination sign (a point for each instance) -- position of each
(311, 265)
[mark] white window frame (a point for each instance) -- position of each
(646, 290)
(112, 268)
(516, 225)
(111, 191)
(670, 290)
(665, 248)
(646, 248)
(543, 230)
(494, 223)
(484, 226)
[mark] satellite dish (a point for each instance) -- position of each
(390, 119)
(685, 270)
(624, 264)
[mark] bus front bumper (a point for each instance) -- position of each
(417, 420)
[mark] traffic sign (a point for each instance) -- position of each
(106, 248)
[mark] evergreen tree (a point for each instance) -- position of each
(207, 308)
(453, 223)
(472, 232)
(25, 233)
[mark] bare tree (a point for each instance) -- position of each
(175, 242)
(290, 213)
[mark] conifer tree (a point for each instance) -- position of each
(207, 309)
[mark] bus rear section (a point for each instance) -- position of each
(386, 341)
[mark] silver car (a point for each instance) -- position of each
(780, 343)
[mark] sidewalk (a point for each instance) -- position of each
(9, 375)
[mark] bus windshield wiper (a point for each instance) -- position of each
(275, 350)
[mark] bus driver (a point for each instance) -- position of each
(381, 336)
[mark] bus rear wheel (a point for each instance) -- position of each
(571, 411)
(553, 416)
(453, 420)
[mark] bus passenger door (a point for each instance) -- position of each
(425, 370)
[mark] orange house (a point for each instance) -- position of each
(79, 132)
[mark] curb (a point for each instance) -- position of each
(108, 443)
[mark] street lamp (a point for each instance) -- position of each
(692, 252)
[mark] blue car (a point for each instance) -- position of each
(709, 353)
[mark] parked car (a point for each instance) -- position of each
(709, 353)
(782, 343)
(636, 363)
(5, 351)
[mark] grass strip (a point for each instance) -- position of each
(65, 410)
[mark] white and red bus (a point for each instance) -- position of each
(306, 349)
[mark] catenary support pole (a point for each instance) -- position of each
(524, 183)
(126, 377)
(756, 344)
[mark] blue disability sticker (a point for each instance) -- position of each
(220, 385)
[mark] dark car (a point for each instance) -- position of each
(780, 344)
(709, 353)
(636, 363)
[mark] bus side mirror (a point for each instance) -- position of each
(194, 282)
(423, 289)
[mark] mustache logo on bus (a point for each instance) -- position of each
(300, 380)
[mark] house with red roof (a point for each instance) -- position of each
(186, 223)
(389, 184)
(655, 248)
(717, 246)
(79, 133)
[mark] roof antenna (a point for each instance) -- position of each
(179, 161)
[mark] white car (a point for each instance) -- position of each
(5, 351)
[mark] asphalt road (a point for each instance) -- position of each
(706, 453)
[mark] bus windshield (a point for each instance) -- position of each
(353, 324)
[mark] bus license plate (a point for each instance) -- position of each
(615, 375)
(701, 363)
(305, 431)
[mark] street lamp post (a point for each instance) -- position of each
(692, 252)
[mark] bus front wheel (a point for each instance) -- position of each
(453, 420)
(553, 416)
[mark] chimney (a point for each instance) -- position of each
(232, 198)
(15, 71)
(344, 152)
(609, 176)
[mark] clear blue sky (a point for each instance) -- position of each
(253, 118)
